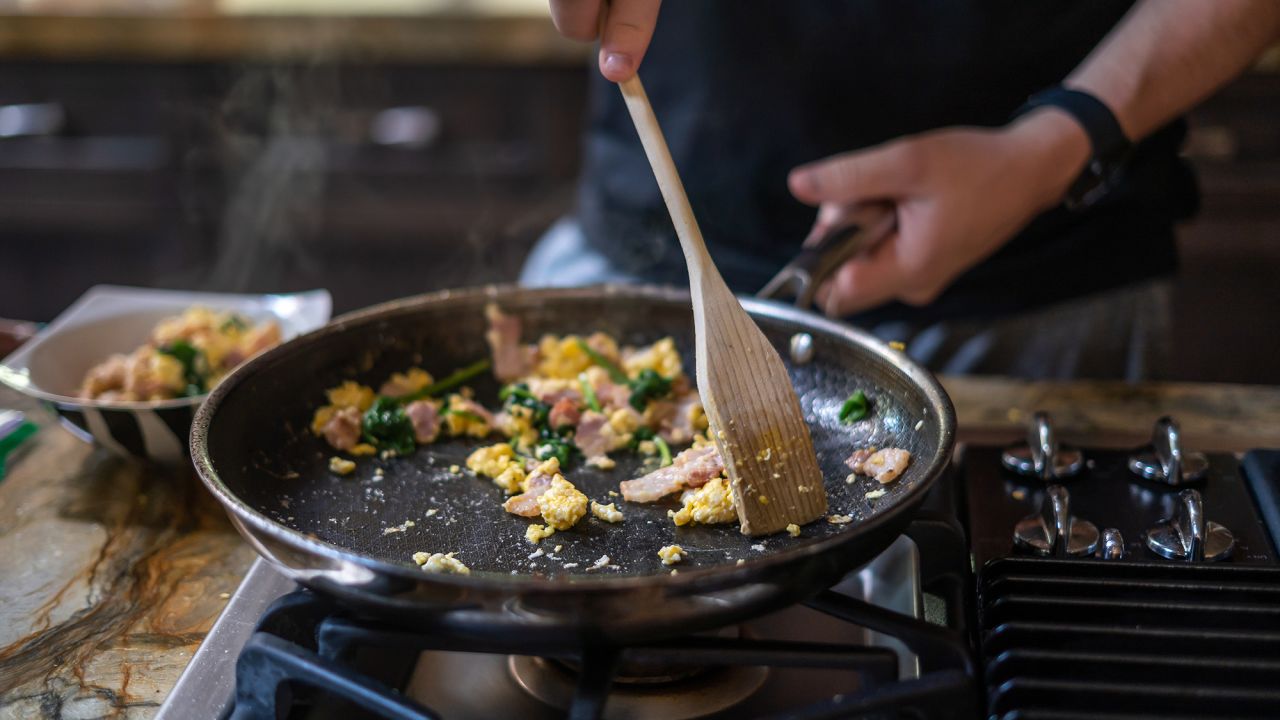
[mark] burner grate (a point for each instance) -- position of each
(305, 647)
(1067, 639)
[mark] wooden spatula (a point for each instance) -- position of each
(755, 416)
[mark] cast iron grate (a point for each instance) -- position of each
(1066, 639)
(301, 656)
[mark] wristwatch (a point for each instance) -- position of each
(1111, 149)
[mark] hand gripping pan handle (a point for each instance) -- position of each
(860, 231)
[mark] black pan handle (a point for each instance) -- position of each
(862, 230)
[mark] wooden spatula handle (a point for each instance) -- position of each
(664, 169)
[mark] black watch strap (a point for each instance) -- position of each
(1109, 144)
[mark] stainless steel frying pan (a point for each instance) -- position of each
(252, 449)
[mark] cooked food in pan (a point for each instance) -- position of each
(567, 401)
(185, 356)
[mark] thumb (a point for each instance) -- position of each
(871, 174)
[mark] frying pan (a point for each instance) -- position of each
(348, 536)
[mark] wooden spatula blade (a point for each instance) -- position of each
(765, 441)
(755, 417)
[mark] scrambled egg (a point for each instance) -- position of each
(563, 505)
(660, 357)
(341, 466)
(363, 449)
(348, 394)
(793, 530)
(563, 357)
(671, 554)
(407, 383)
(441, 563)
(708, 505)
(500, 463)
(839, 519)
(698, 418)
(517, 424)
(464, 424)
(351, 394)
(608, 513)
(535, 533)
(625, 421)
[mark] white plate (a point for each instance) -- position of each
(111, 319)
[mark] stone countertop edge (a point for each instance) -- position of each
(110, 574)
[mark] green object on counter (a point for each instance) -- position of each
(10, 442)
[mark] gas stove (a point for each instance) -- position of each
(1038, 580)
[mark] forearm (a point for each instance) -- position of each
(1168, 55)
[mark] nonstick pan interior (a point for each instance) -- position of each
(266, 463)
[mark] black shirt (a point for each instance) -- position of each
(746, 90)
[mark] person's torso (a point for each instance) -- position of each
(747, 89)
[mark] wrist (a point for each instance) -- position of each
(1054, 148)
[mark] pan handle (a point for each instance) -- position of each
(861, 230)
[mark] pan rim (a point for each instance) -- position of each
(688, 581)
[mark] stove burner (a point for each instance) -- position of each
(695, 692)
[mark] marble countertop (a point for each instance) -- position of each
(110, 574)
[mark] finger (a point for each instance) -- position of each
(576, 19)
(627, 32)
(829, 214)
(873, 174)
(864, 282)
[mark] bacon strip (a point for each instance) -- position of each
(343, 429)
(425, 416)
(691, 468)
(511, 360)
(526, 503)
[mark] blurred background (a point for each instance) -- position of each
(383, 148)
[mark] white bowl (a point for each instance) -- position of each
(110, 319)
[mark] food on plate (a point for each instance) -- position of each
(671, 554)
(442, 563)
(185, 356)
(884, 465)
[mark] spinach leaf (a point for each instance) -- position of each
(648, 385)
(195, 368)
(234, 322)
(588, 393)
(554, 445)
(456, 378)
(664, 451)
(519, 394)
(855, 408)
(387, 426)
(615, 372)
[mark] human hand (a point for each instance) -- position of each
(959, 194)
(628, 29)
